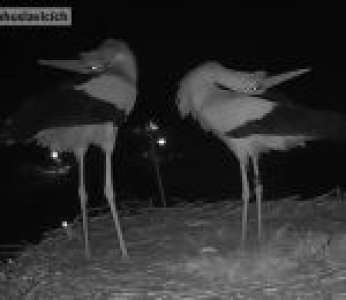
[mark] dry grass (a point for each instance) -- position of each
(190, 250)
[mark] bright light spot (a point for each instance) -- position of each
(161, 141)
(54, 154)
(64, 224)
(153, 126)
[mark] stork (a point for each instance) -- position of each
(86, 110)
(235, 107)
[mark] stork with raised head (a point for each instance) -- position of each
(87, 109)
(233, 105)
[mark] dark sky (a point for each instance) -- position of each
(170, 39)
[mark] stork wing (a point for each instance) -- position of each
(66, 65)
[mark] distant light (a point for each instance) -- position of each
(161, 141)
(54, 154)
(153, 126)
(68, 230)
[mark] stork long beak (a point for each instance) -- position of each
(66, 65)
(277, 79)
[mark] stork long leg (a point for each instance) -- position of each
(109, 193)
(83, 200)
(245, 197)
(258, 193)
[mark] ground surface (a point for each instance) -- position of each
(191, 251)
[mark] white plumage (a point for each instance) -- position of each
(104, 87)
(221, 116)
(85, 111)
(224, 100)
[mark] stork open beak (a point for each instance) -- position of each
(66, 65)
(277, 79)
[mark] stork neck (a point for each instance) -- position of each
(123, 73)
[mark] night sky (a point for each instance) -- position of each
(169, 40)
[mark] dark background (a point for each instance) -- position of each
(169, 40)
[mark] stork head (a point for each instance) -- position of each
(251, 83)
(198, 84)
(208, 77)
(111, 55)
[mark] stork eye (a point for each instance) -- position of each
(98, 68)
